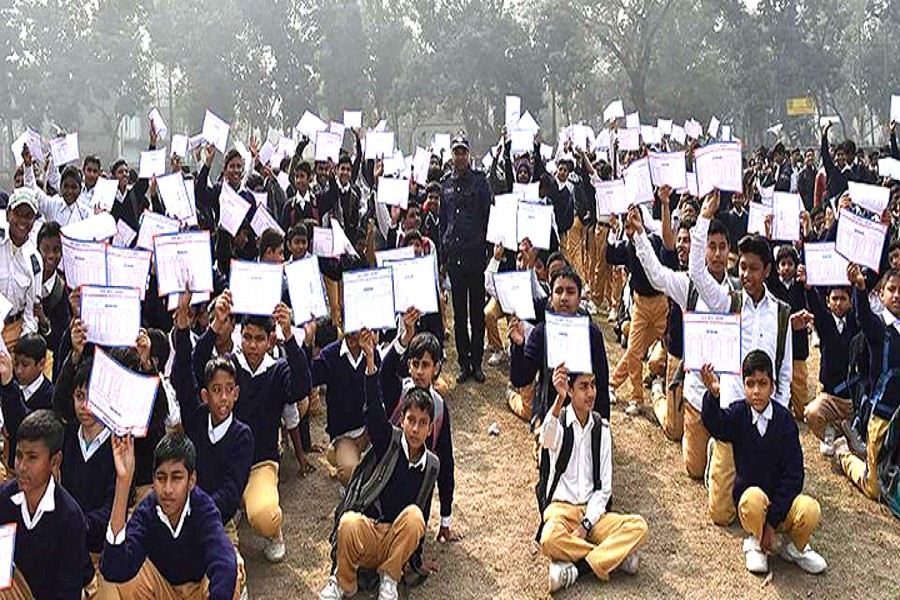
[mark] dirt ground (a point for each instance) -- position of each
(685, 555)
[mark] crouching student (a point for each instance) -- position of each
(51, 559)
(768, 464)
(174, 545)
(577, 533)
(380, 524)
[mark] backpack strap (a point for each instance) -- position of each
(439, 411)
(886, 374)
(562, 461)
(784, 320)
(432, 468)
(692, 297)
(596, 443)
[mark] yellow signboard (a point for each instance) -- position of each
(800, 106)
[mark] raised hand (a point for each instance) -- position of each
(6, 368)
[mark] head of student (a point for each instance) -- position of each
(540, 265)
(39, 443)
(839, 300)
(527, 255)
(344, 169)
(840, 156)
(416, 418)
(298, 240)
(414, 238)
(759, 382)
(460, 150)
(683, 240)
(257, 338)
(412, 218)
(787, 259)
(70, 184)
(893, 254)
(119, 171)
(689, 209)
(582, 393)
(91, 168)
(321, 173)
(174, 473)
(20, 214)
(30, 358)
(49, 241)
(565, 291)
(79, 396)
(302, 176)
(754, 264)
(717, 247)
(556, 262)
(889, 291)
(523, 171)
(271, 246)
(220, 389)
(233, 171)
(423, 357)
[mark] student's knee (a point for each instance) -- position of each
(264, 516)
(551, 534)
(753, 500)
(815, 417)
(637, 525)
(809, 512)
(412, 519)
(349, 524)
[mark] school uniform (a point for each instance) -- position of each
(768, 463)
(263, 395)
(88, 473)
(38, 394)
(150, 557)
(793, 293)
(51, 559)
(55, 304)
(579, 497)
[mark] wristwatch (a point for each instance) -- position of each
(586, 524)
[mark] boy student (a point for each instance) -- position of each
(297, 239)
(174, 545)
(768, 467)
(30, 361)
(883, 338)
(66, 208)
(678, 412)
(381, 521)
(765, 325)
(265, 386)
(836, 324)
(51, 559)
(423, 355)
(577, 533)
(54, 311)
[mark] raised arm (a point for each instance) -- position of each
(713, 295)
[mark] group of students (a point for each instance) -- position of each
(157, 516)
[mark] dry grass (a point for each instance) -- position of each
(685, 556)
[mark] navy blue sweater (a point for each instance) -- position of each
(224, 467)
(773, 463)
(264, 396)
(345, 396)
(392, 390)
(42, 397)
(50, 554)
(834, 347)
(91, 483)
(875, 330)
(201, 549)
(14, 407)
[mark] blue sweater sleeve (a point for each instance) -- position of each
(185, 381)
(12, 402)
(73, 553)
(203, 352)
(227, 495)
(718, 421)
(377, 424)
(601, 372)
(121, 562)
(218, 554)
(391, 381)
(319, 367)
(446, 478)
(525, 361)
(791, 483)
(299, 385)
(871, 325)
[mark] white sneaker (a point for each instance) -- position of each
(841, 447)
(388, 589)
(244, 594)
(757, 561)
(613, 316)
(809, 560)
(496, 359)
(630, 564)
(331, 591)
(707, 471)
(275, 549)
(562, 575)
(826, 446)
(633, 409)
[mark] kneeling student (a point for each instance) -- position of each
(174, 544)
(768, 463)
(381, 521)
(577, 533)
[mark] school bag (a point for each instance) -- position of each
(889, 466)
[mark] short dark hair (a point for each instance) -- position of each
(717, 227)
(267, 324)
(895, 245)
(296, 230)
(686, 224)
(33, 346)
(116, 165)
(230, 156)
(91, 159)
(757, 361)
(302, 166)
(567, 273)
(420, 399)
(175, 447)
(433, 187)
(70, 172)
(160, 348)
(840, 289)
(50, 229)
(787, 252)
(216, 364)
(411, 236)
(271, 239)
(83, 373)
(756, 244)
(423, 343)
(42, 426)
(344, 159)
(889, 274)
(557, 256)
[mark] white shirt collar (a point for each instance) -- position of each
(419, 464)
(184, 513)
(88, 449)
(343, 188)
(354, 362)
(29, 390)
(217, 432)
(761, 420)
(840, 322)
(47, 286)
(748, 301)
(890, 319)
(264, 365)
(47, 504)
(572, 419)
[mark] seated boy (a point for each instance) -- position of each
(174, 545)
(51, 560)
(381, 521)
(30, 361)
(577, 533)
(768, 464)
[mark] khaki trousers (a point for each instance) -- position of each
(668, 405)
(363, 543)
(343, 454)
(694, 442)
(721, 484)
(520, 402)
(865, 474)
(149, 584)
(573, 247)
(261, 501)
(492, 314)
(333, 291)
(799, 388)
(11, 334)
(826, 410)
(613, 538)
(19, 589)
(648, 324)
(799, 524)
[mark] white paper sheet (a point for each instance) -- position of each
(668, 168)
(393, 192)
(379, 144)
(172, 300)
(104, 195)
(7, 553)
(529, 192)
(353, 119)
(715, 339)
(152, 225)
(128, 268)
(633, 120)
(629, 139)
(306, 289)
(756, 217)
(638, 185)
(124, 235)
(173, 191)
(180, 258)
(415, 284)
(874, 198)
(64, 150)
(502, 221)
(440, 145)
(786, 217)
(895, 108)
(513, 111)
(824, 266)
(84, 263)
(32, 139)
(119, 397)
(615, 110)
(719, 166)
(713, 129)
(232, 210)
(693, 129)
(521, 141)
(215, 131)
(101, 226)
(569, 342)
(111, 315)
(368, 300)
(889, 167)
(328, 146)
(679, 135)
(180, 145)
(255, 287)
(611, 199)
(323, 243)
(535, 222)
(514, 293)
(383, 257)
(664, 126)
(159, 125)
(860, 240)
(262, 220)
(421, 165)
(527, 123)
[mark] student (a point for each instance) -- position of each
(51, 559)
(54, 311)
(66, 208)
(174, 545)
(30, 361)
(883, 339)
(266, 385)
(297, 239)
(577, 533)
(301, 206)
(382, 528)
(768, 463)
(790, 291)
(423, 355)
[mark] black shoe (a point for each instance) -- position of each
(465, 374)
(478, 375)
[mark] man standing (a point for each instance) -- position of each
(20, 267)
(463, 227)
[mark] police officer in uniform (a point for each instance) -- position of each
(20, 267)
(464, 214)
